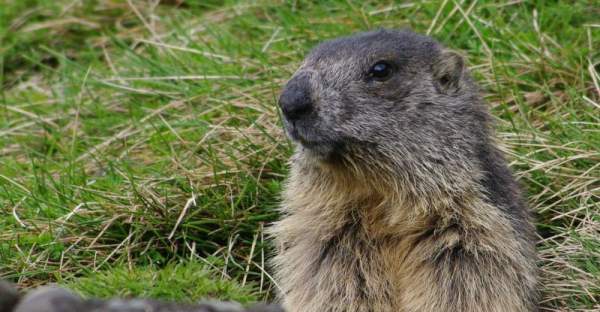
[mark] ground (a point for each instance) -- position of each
(141, 151)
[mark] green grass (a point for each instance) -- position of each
(136, 137)
(189, 282)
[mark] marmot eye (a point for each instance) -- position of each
(381, 71)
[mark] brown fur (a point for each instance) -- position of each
(358, 234)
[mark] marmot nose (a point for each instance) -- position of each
(295, 101)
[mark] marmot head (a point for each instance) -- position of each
(385, 102)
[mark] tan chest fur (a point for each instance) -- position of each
(343, 246)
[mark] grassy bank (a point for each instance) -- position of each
(138, 136)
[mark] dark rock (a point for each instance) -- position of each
(50, 299)
(8, 297)
(54, 299)
(266, 308)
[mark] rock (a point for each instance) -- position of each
(54, 299)
(266, 308)
(8, 297)
(50, 299)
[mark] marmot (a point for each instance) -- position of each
(398, 198)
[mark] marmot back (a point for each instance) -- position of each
(398, 199)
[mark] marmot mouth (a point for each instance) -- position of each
(311, 144)
(328, 151)
(312, 141)
(297, 134)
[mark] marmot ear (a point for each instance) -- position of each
(448, 71)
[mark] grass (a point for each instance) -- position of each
(189, 282)
(140, 143)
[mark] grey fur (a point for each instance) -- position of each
(398, 198)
